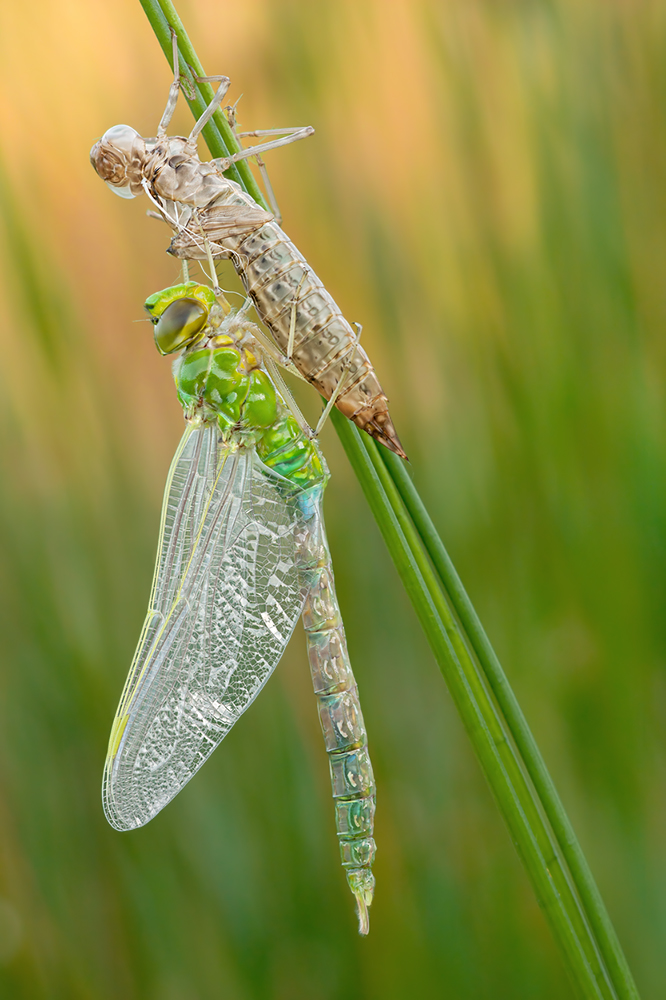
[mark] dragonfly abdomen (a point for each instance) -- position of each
(342, 724)
(281, 283)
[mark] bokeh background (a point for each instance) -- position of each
(485, 192)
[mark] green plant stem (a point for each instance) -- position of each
(588, 890)
(503, 743)
(483, 720)
(217, 132)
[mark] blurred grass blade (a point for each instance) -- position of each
(523, 789)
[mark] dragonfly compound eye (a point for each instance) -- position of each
(116, 156)
(179, 325)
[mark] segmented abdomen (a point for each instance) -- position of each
(341, 719)
(279, 280)
(281, 283)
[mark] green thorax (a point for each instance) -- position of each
(219, 379)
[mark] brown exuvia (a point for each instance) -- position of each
(212, 217)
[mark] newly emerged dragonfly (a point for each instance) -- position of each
(242, 554)
(212, 218)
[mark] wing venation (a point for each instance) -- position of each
(225, 599)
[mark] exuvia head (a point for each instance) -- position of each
(117, 157)
(180, 314)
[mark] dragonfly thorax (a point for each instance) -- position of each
(179, 177)
(220, 379)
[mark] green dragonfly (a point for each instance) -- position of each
(242, 553)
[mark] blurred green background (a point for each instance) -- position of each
(485, 192)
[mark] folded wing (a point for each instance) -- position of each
(218, 222)
(225, 600)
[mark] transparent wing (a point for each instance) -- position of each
(225, 599)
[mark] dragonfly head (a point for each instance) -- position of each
(117, 157)
(180, 314)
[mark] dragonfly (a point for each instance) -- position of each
(242, 554)
(212, 218)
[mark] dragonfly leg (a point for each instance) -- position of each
(209, 254)
(230, 112)
(292, 320)
(270, 350)
(287, 397)
(224, 84)
(162, 213)
(274, 360)
(173, 91)
(341, 382)
(225, 162)
(299, 133)
(270, 193)
(263, 170)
